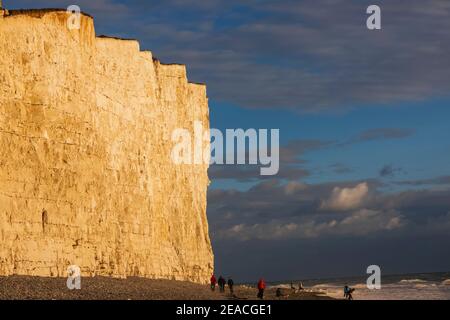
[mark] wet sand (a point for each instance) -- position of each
(133, 288)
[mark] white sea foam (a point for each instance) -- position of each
(396, 291)
(323, 285)
(412, 281)
(446, 282)
(424, 285)
(282, 286)
(436, 287)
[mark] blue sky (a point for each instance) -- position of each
(428, 120)
(363, 118)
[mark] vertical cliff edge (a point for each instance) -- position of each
(86, 176)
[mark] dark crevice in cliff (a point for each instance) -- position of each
(116, 38)
(44, 220)
(197, 83)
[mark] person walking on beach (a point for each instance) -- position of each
(221, 284)
(213, 282)
(348, 293)
(230, 285)
(261, 288)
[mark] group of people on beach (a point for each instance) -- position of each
(221, 282)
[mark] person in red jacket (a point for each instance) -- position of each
(213, 282)
(261, 288)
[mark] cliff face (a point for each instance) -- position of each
(86, 176)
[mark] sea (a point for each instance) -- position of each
(420, 286)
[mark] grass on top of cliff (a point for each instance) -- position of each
(132, 288)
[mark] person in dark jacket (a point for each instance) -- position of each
(261, 288)
(348, 293)
(221, 282)
(230, 285)
(213, 282)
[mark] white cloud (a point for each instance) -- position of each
(358, 223)
(293, 187)
(342, 199)
(364, 221)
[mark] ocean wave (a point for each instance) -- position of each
(334, 286)
(446, 282)
(324, 286)
(281, 286)
(330, 290)
(412, 281)
(422, 285)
